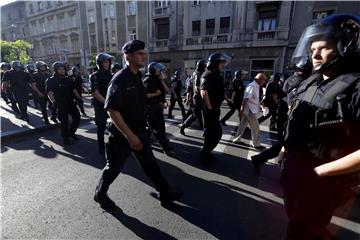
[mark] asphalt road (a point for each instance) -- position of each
(47, 192)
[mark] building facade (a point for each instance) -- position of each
(13, 22)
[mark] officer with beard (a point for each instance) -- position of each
(62, 93)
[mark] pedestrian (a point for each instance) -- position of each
(18, 80)
(212, 94)
(39, 87)
(196, 105)
(100, 80)
(125, 103)
(175, 97)
(78, 82)
(62, 93)
(322, 133)
(155, 88)
(236, 94)
(249, 111)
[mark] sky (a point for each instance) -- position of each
(4, 2)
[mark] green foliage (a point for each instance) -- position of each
(17, 50)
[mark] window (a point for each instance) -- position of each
(210, 26)
(74, 44)
(111, 10)
(317, 16)
(40, 6)
(20, 13)
(31, 8)
(58, 3)
(9, 17)
(161, 4)
(267, 20)
(48, 5)
(132, 34)
(225, 25)
(131, 8)
(196, 28)
(93, 40)
(91, 16)
(196, 3)
(262, 65)
(162, 29)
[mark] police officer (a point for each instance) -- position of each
(125, 103)
(38, 85)
(237, 94)
(175, 97)
(4, 67)
(196, 106)
(155, 88)
(30, 68)
(117, 67)
(76, 77)
(62, 93)
(323, 125)
(99, 81)
(19, 81)
(212, 94)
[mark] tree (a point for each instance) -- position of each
(17, 50)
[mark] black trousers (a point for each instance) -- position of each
(35, 98)
(64, 112)
(196, 114)
(233, 108)
(42, 103)
(272, 115)
(156, 123)
(21, 98)
(10, 96)
(81, 105)
(100, 121)
(178, 100)
(118, 151)
(213, 130)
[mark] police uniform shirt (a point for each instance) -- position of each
(100, 81)
(78, 83)
(176, 85)
(40, 80)
(19, 80)
(151, 85)
(212, 82)
(238, 88)
(62, 87)
(298, 132)
(196, 82)
(126, 95)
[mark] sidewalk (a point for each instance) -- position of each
(13, 127)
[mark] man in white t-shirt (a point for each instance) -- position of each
(250, 110)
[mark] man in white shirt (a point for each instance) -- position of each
(250, 110)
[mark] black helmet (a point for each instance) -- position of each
(102, 57)
(17, 64)
(5, 66)
(304, 66)
(275, 77)
(117, 66)
(39, 64)
(74, 69)
(200, 65)
(238, 73)
(177, 73)
(58, 64)
(341, 29)
(30, 67)
(153, 66)
(215, 58)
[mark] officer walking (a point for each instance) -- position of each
(155, 89)
(196, 106)
(38, 85)
(30, 68)
(19, 81)
(4, 94)
(125, 103)
(323, 126)
(176, 86)
(236, 96)
(212, 94)
(76, 77)
(62, 93)
(99, 81)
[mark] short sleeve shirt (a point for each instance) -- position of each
(212, 82)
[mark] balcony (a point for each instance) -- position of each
(265, 36)
(161, 43)
(161, 12)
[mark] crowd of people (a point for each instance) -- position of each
(315, 111)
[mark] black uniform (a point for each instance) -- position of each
(271, 88)
(213, 83)
(237, 86)
(176, 86)
(315, 135)
(196, 105)
(155, 112)
(33, 92)
(19, 83)
(99, 82)
(79, 88)
(126, 94)
(62, 87)
(39, 78)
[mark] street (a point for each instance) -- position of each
(47, 191)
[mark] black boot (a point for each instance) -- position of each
(104, 201)
(169, 196)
